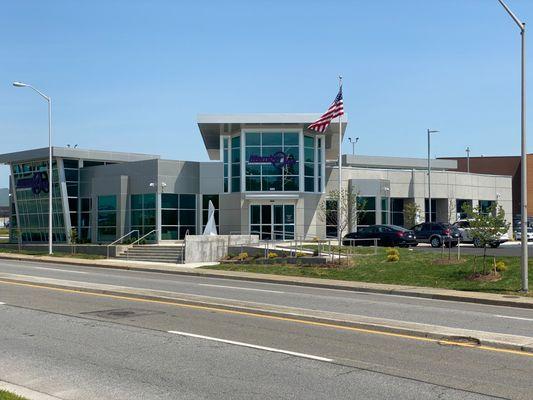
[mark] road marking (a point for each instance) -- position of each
(253, 346)
(2, 303)
(239, 288)
(520, 318)
(60, 270)
(273, 317)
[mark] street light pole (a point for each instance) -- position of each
(523, 183)
(353, 142)
(468, 159)
(429, 171)
(50, 173)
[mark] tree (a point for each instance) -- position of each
(452, 210)
(486, 226)
(410, 211)
(351, 211)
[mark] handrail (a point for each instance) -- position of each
(120, 238)
(141, 238)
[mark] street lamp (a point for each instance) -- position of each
(50, 175)
(523, 183)
(429, 170)
(467, 159)
(353, 142)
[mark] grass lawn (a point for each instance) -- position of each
(56, 254)
(416, 268)
(10, 396)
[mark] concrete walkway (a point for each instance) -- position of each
(192, 269)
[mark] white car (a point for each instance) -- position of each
(518, 234)
(466, 236)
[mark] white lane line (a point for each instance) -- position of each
(253, 346)
(520, 318)
(2, 303)
(61, 270)
(239, 288)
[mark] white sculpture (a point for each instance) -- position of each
(211, 227)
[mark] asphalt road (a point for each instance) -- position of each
(412, 309)
(79, 346)
(82, 346)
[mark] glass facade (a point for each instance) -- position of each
(143, 209)
(272, 221)
(72, 179)
(272, 160)
(331, 219)
(396, 207)
(31, 194)
(236, 164)
(485, 205)
(178, 215)
(433, 210)
(366, 210)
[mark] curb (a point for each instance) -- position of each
(25, 392)
(364, 287)
(451, 336)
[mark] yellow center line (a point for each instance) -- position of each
(278, 318)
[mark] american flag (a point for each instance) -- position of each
(336, 109)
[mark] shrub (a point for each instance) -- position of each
(272, 255)
(393, 258)
(242, 256)
(393, 252)
(300, 254)
(500, 266)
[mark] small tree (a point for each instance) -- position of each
(410, 211)
(486, 226)
(346, 201)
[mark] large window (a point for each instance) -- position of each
(72, 181)
(366, 210)
(460, 207)
(272, 161)
(84, 234)
(309, 163)
(331, 219)
(236, 164)
(485, 205)
(31, 193)
(107, 218)
(225, 160)
(143, 209)
(178, 215)
(396, 208)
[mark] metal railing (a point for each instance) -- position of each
(120, 239)
(139, 239)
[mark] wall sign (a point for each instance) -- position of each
(38, 183)
(278, 159)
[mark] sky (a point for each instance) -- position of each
(133, 75)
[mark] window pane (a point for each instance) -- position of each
(136, 217)
(169, 200)
(207, 197)
(253, 184)
(309, 184)
(273, 183)
(309, 155)
(169, 217)
(236, 141)
(289, 214)
(235, 169)
(252, 151)
(71, 175)
(107, 202)
(136, 202)
(70, 163)
(253, 139)
(235, 155)
(291, 183)
(149, 200)
(149, 217)
(169, 233)
(291, 138)
(255, 214)
(278, 214)
(235, 184)
(188, 201)
(253, 169)
(266, 215)
(309, 141)
(272, 139)
(293, 151)
(187, 217)
(309, 169)
(85, 204)
(107, 218)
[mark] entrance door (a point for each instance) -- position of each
(272, 221)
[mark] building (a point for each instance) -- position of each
(507, 165)
(4, 207)
(269, 176)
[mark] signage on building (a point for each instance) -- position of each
(278, 159)
(38, 183)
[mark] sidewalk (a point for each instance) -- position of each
(507, 300)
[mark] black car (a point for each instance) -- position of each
(437, 234)
(388, 235)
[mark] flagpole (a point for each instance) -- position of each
(339, 204)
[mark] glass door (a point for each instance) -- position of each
(272, 221)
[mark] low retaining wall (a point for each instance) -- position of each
(200, 248)
(64, 248)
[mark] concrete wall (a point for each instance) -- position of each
(199, 248)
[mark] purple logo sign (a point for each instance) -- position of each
(38, 183)
(278, 159)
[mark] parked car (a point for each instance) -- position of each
(518, 234)
(388, 235)
(466, 235)
(436, 234)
